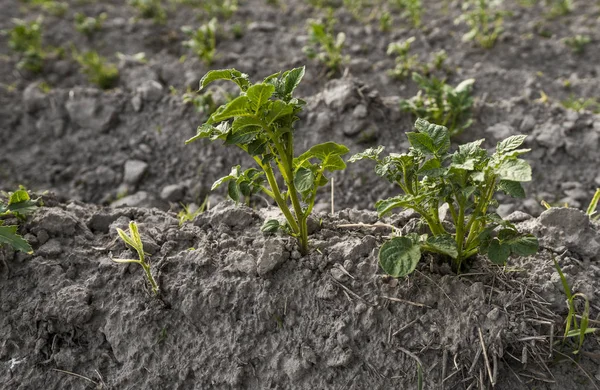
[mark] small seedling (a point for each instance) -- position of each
(263, 126)
(203, 40)
(98, 70)
(324, 45)
(405, 63)
(572, 327)
(413, 9)
(484, 20)
(204, 103)
(189, 212)
(591, 210)
(88, 25)
(134, 240)
(441, 103)
(25, 38)
(19, 205)
(56, 8)
(465, 182)
(150, 9)
(577, 43)
(385, 21)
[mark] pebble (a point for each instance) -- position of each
(133, 171)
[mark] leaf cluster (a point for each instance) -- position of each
(25, 38)
(324, 45)
(97, 69)
(19, 205)
(150, 9)
(441, 103)
(578, 43)
(261, 122)
(405, 63)
(412, 9)
(202, 41)
(430, 176)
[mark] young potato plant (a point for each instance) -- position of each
(559, 7)
(324, 46)
(134, 240)
(88, 25)
(25, 38)
(577, 43)
(441, 103)
(97, 69)
(484, 20)
(405, 63)
(413, 9)
(19, 205)
(261, 122)
(150, 9)
(466, 181)
(203, 41)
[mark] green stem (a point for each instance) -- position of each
(150, 277)
(277, 196)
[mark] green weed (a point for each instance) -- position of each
(263, 126)
(577, 43)
(25, 38)
(466, 181)
(189, 213)
(580, 104)
(88, 25)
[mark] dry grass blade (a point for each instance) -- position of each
(76, 375)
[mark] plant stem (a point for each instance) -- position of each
(153, 283)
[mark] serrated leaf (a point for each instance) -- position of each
(235, 108)
(259, 94)
(498, 252)
(510, 143)
(399, 256)
(241, 79)
(270, 226)
(8, 235)
(443, 244)
(514, 170)
(304, 179)
(512, 188)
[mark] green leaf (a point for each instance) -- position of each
(233, 190)
(514, 170)
(524, 246)
(387, 205)
(233, 175)
(510, 143)
(370, 154)
(241, 79)
(328, 153)
(257, 147)
(259, 94)
(304, 179)
(512, 188)
(291, 80)
(443, 244)
(19, 204)
(8, 235)
(242, 137)
(235, 108)
(270, 226)
(399, 256)
(498, 252)
(211, 132)
(276, 110)
(438, 134)
(421, 142)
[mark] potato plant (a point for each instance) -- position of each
(88, 25)
(441, 103)
(97, 69)
(261, 122)
(484, 20)
(466, 181)
(202, 41)
(405, 63)
(150, 9)
(19, 205)
(25, 38)
(324, 45)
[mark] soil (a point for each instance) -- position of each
(241, 310)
